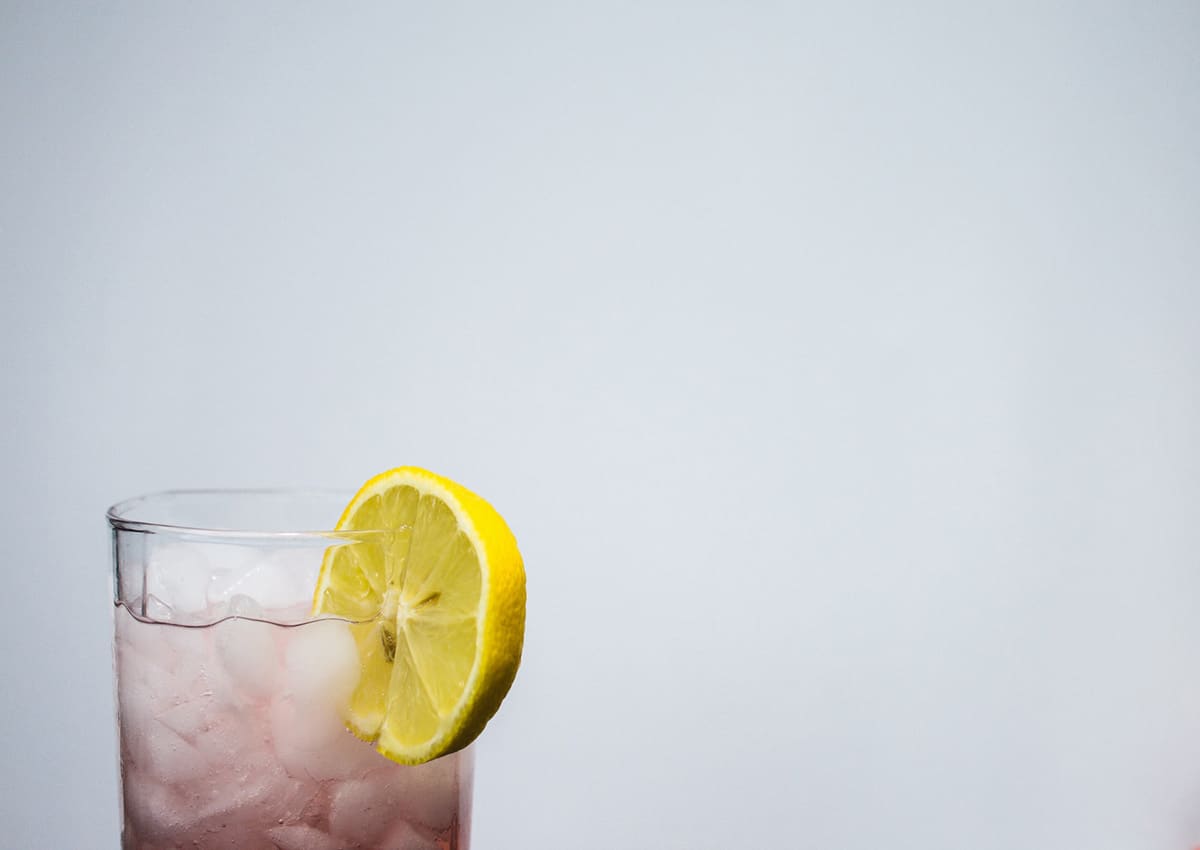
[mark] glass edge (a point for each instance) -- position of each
(117, 522)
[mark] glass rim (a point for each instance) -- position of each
(118, 519)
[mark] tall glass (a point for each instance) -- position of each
(231, 695)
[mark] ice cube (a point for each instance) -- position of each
(320, 671)
(157, 610)
(177, 577)
(194, 670)
(302, 566)
(146, 741)
(173, 661)
(247, 790)
(161, 752)
(232, 738)
(362, 810)
(312, 741)
(321, 663)
(405, 836)
(426, 795)
(161, 666)
(277, 580)
(241, 605)
(302, 837)
(246, 650)
(188, 720)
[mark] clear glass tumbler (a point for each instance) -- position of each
(230, 694)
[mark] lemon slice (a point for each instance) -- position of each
(440, 611)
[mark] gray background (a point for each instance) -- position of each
(837, 365)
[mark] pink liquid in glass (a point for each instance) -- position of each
(232, 738)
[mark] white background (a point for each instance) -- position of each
(838, 367)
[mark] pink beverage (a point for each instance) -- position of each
(231, 697)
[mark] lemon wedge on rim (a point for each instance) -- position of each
(438, 611)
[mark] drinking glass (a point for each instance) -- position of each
(231, 694)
